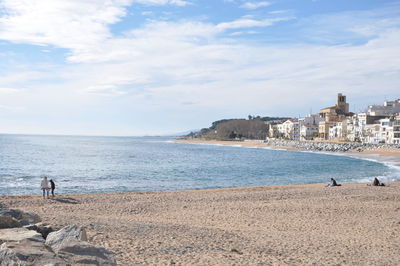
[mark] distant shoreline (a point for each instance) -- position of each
(389, 156)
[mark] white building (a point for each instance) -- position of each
(386, 130)
(311, 120)
(290, 129)
(308, 126)
(382, 131)
(338, 130)
(389, 108)
(371, 134)
(396, 130)
(308, 132)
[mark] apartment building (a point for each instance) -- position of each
(388, 108)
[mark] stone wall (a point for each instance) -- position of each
(328, 146)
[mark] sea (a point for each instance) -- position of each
(81, 164)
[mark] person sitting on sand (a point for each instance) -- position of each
(45, 186)
(333, 183)
(53, 187)
(377, 183)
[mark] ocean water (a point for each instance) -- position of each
(122, 164)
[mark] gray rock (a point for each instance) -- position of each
(28, 253)
(68, 233)
(24, 218)
(29, 218)
(43, 229)
(24, 247)
(19, 234)
(84, 253)
(8, 222)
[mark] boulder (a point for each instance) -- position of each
(19, 234)
(29, 218)
(8, 222)
(25, 246)
(43, 229)
(83, 253)
(70, 232)
(24, 218)
(28, 253)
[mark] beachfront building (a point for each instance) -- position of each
(338, 131)
(379, 124)
(323, 129)
(272, 131)
(290, 129)
(396, 130)
(386, 130)
(275, 131)
(370, 129)
(383, 130)
(308, 132)
(371, 134)
(359, 122)
(308, 126)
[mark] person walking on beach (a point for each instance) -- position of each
(45, 186)
(53, 187)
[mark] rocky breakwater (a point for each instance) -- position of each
(327, 146)
(25, 241)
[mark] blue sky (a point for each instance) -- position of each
(145, 67)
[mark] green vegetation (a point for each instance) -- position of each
(255, 127)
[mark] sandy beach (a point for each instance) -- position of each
(354, 224)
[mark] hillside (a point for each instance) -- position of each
(255, 127)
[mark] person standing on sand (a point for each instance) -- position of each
(53, 187)
(45, 186)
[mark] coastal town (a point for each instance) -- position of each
(378, 124)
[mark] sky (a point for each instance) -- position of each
(155, 67)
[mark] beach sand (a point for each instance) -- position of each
(354, 224)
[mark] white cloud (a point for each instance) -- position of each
(172, 36)
(239, 33)
(168, 71)
(161, 65)
(8, 90)
(82, 26)
(164, 2)
(279, 11)
(12, 109)
(73, 24)
(255, 5)
(106, 90)
(77, 25)
(249, 23)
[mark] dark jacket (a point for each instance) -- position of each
(53, 186)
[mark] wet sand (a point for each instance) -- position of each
(354, 224)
